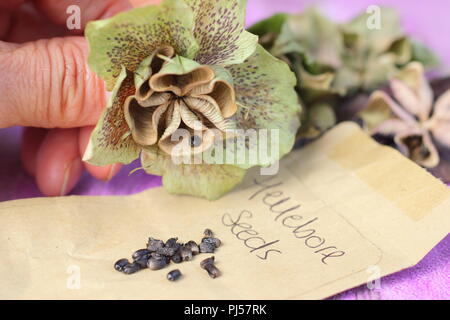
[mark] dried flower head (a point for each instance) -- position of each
(334, 60)
(411, 116)
(185, 74)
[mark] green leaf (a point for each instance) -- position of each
(178, 66)
(320, 117)
(313, 35)
(219, 30)
(266, 99)
(130, 37)
(370, 37)
(402, 51)
(424, 55)
(272, 24)
(111, 140)
(143, 71)
(376, 112)
(378, 71)
(200, 180)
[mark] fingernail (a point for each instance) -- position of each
(108, 95)
(112, 171)
(71, 175)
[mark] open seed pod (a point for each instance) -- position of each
(179, 96)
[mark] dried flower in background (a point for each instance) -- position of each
(419, 124)
(334, 61)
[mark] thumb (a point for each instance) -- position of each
(48, 84)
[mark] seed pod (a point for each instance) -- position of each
(176, 258)
(174, 275)
(206, 247)
(120, 264)
(214, 241)
(131, 268)
(154, 244)
(140, 253)
(156, 264)
(192, 245)
(186, 254)
(208, 265)
(208, 233)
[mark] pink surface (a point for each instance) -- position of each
(426, 20)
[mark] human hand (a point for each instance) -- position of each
(46, 86)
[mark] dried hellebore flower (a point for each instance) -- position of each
(329, 57)
(187, 79)
(416, 122)
(333, 60)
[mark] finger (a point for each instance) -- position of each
(105, 173)
(32, 139)
(140, 3)
(56, 11)
(48, 84)
(59, 166)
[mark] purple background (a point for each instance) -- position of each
(427, 20)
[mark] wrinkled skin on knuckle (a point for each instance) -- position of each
(80, 94)
(53, 84)
(9, 88)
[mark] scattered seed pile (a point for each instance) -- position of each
(158, 255)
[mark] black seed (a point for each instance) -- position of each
(172, 242)
(206, 262)
(208, 265)
(186, 254)
(192, 245)
(120, 264)
(166, 251)
(176, 258)
(140, 253)
(142, 261)
(214, 241)
(131, 268)
(208, 233)
(156, 264)
(154, 244)
(213, 271)
(206, 247)
(174, 275)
